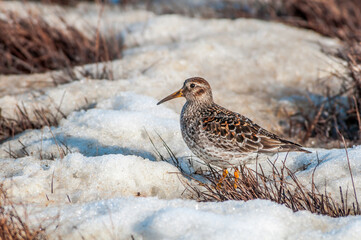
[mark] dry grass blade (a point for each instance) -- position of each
(256, 185)
(281, 185)
(30, 44)
(24, 120)
(334, 18)
(312, 126)
(357, 210)
(11, 225)
(358, 115)
(328, 113)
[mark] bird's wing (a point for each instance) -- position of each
(239, 133)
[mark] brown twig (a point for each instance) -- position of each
(357, 114)
(12, 226)
(349, 168)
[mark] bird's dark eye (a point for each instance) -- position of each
(192, 85)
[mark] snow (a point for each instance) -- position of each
(333, 171)
(98, 175)
(117, 125)
(112, 175)
(152, 218)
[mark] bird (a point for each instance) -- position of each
(219, 136)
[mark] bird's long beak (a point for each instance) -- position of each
(177, 94)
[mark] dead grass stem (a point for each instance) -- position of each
(333, 18)
(279, 185)
(12, 226)
(30, 44)
(320, 119)
(36, 119)
(282, 187)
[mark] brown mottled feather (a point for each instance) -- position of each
(242, 132)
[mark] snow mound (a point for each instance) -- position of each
(83, 179)
(332, 171)
(151, 218)
(117, 157)
(117, 125)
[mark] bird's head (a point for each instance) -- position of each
(194, 89)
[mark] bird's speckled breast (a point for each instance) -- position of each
(190, 122)
(201, 144)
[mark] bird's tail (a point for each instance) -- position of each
(292, 147)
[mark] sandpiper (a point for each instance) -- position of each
(219, 136)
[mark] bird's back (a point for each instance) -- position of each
(216, 134)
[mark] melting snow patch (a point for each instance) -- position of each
(86, 179)
(152, 218)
